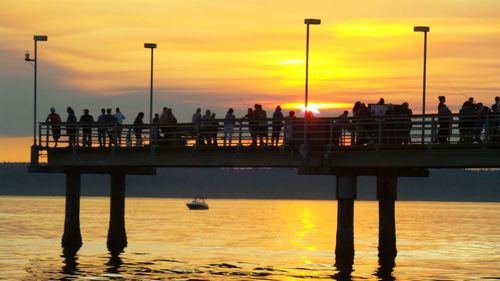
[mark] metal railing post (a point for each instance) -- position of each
(433, 130)
(115, 133)
(423, 129)
(47, 135)
(39, 135)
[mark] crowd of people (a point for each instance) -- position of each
(473, 118)
(204, 129)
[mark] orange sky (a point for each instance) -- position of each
(220, 53)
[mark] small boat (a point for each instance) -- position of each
(198, 203)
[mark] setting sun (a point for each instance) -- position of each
(317, 107)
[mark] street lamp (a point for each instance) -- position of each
(423, 29)
(27, 58)
(307, 22)
(151, 46)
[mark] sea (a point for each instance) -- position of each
(239, 239)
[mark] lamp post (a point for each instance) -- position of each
(307, 22)
(36, 38)
(151, 46)
(423, 29)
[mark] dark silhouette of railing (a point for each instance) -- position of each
(322, 132)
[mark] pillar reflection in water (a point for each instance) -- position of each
(115, 262)
(385, 269)
(70, 261)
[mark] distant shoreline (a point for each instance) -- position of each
(445, 185)
(228, 198)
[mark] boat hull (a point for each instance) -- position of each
(197, 206)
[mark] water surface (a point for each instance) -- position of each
(247, 240)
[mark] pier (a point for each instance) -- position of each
(384, 147)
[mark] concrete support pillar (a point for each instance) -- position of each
(346, 193)
(72, 237)
(386, 195)
(117, 237)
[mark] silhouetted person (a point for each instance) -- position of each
(110, 121)
(496, 106)
(289, 126)
(101, 129)
(171, 127)
(252, 124)
(164, 122)
(205, 126)
(481, 112)
(71, 127)
(214, 126)
(495, 121)
(445, 120)
(138, 129)
(54, 121)
(315, 131)
(261, 118)
(196, 120)
(341, 125)
(466, 122)
(119, 121)
(229, 122)
(86, 121)
(405, 114)
(155, 129)
(363, 124)
(355, 121)
(277, 125)
(381, 101)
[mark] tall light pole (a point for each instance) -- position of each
(307, 22)
(151, 46)
(36, 38)
(423, 29)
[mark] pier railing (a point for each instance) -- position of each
(334, 133)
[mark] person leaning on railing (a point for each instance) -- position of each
(252, 125)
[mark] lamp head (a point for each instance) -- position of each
(312, 21)
(27, 56)
(150, 45)
(421, 29)
(40, 37)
